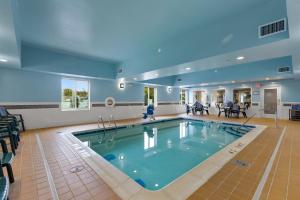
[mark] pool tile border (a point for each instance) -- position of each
(180, 188)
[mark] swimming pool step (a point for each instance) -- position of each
(233, 132)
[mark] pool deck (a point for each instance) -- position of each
(44, 160)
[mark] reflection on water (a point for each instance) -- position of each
(150, 139)
(182, 130)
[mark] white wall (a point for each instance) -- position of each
(51, 117)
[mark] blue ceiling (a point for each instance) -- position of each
(155, 39)
(119, 30)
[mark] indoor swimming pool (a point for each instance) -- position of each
(155, 154)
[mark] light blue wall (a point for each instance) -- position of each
(28, 86)
(41, 59)
(228, 35)
(290, 91)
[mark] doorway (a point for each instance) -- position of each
(270, 101)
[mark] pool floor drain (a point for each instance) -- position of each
(76, 169)
(241, 163)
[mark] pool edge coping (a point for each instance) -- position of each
(180, 188)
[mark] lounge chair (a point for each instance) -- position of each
(6, 160)
(9, 128)
(4, 185)
(5, 132)
(18, 117)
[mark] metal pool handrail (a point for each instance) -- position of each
(101, 119)
(248, 120)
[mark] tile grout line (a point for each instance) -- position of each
(268, 169)
(290, 163)
(275, 170)
(48, 172)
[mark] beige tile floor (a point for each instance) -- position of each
(232, 182)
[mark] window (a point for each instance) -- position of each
(200, 96)
(150, 96)
(242, 96)
(75, 94)
(218, 96)
(182, 97)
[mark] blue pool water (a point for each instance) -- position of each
(156, 154)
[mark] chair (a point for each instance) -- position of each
(4, 185)
(235, 109)
(294, 112)
(188, 109)
(220, 110)
(5, 132)
(9, 129)
(6, 160)
(18, 117)
(198, 107)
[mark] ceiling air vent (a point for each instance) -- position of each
(272, 28)
(284, 69)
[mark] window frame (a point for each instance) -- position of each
(243, 88)
(62, 94)
(183, 91)
(155, 96)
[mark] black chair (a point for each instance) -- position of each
(188, 109)
(6, 160)
(5, 132)
(10, 129)
(220, 110)
(17, 117)
(235, 109)
(4, 185)
(198, 108)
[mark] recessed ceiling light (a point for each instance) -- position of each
(3, 60)
(135, 78)
(267, 78)
(159, 50)
(240, 58)
(188, 68)
(233, 81)
(156, 74)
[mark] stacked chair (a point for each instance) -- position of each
(10, 127)
(4, 185)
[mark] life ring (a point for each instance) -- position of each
(110, 102)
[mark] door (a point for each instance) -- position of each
(270, 101)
